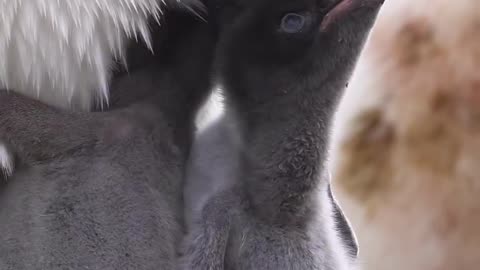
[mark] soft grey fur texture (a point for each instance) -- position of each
(103, 190)
(282, 90)
(213, 164)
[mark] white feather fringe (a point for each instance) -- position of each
(6, 161)
(61, 51)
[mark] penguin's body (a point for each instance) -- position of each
(406, 149)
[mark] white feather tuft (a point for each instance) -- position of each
(61, 52)
(6, 161)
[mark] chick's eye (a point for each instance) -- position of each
(293, 23)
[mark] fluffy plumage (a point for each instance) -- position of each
(407, 145)
(6, 161)
(61, 52)
(104, 190)
(269, 206)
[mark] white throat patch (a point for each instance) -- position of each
(61, 51)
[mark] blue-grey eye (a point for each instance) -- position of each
(293, 23)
